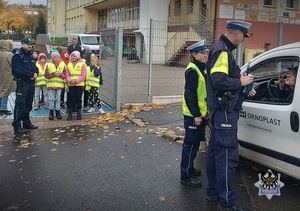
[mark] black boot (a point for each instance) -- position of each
(51, 117)
(79, 115)
(69, 115)
(58, 116)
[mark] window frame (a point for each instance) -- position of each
(272, 5)
(263, 80)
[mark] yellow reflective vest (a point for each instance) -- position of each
(201, 93)
(56, 82)
(75, 72)
(41, 80)
(91, 80)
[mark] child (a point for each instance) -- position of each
(55, 73)
(75, 77)
(41, 82)
(35, 54)
(64, 55)
(94, 80)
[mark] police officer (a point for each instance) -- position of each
(224, 88)
(25, 72)
(195, 112)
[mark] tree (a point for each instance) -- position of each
(2, 5)
(41, 27)
(31, 22)
(12, 18)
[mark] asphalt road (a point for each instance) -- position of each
(118, 167)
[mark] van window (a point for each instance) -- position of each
(266, 76)
(90, 40)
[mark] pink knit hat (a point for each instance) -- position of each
(76, 53)
(55, 54)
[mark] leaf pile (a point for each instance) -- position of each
(103, 120)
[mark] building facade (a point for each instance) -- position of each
(186, 21)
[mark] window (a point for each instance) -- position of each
(267, 85)
(270, 3)
(189, 6)
(177, 7)
(292, 4)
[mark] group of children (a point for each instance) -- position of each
(69, 74)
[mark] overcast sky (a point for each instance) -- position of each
(26, 2)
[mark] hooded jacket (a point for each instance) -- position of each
(7, 84)
(62, 56)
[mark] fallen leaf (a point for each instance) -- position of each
(13, 207)
(123, 157)
(162, 198)
(53, 150)
(11, 161)
(55, 143)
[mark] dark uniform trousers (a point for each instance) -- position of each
(23, 103)
(193, 135)
(222, 157)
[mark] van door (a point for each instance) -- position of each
(269, 123)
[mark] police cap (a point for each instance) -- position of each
(240, 25)
(198, 46)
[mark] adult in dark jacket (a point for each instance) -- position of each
(25, 72)
(225, 98)
(74, 46)
(195, 112)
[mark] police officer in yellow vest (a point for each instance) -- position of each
(194, 111)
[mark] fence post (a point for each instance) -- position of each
(150, 61)
(118, 67)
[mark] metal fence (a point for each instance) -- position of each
(147, 65)
(144, 66)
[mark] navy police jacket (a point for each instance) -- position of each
(222, 75)
(23, 66)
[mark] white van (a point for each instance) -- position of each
(268, 130)
(87, 42)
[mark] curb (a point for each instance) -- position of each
(140, 123)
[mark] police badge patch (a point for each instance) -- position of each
(269, 184)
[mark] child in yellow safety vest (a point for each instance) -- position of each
(41, 82)
(75, 77)
(55, 73)
(94, 80)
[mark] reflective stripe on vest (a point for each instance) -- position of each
(201, 93)
(75, 73)
(221, 65)
(57, 82)
(91, 80)
(41, 80)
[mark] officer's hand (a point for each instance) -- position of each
(34, 75)
(252, 93)
(246, 79)
(281, 82)
(197, 121)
